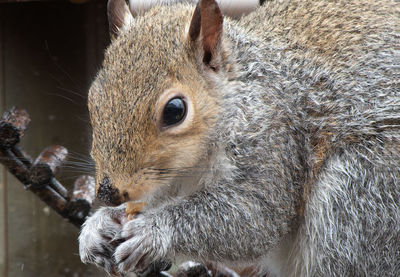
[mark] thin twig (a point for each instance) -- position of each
(38, 177)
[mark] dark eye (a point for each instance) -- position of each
(174, 112)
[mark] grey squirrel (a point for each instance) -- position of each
(272, 140)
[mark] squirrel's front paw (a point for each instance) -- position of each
(145, 242)
(96, 244)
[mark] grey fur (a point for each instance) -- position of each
(303, 161)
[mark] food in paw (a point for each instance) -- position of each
(133, 208)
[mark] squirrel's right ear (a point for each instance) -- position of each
(119, 17)
(206, 29)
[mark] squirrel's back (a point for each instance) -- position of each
(336, 62)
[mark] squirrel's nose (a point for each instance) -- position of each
(107, 193)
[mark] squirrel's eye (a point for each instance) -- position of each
(174, 112)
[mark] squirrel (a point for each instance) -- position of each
(271, 140)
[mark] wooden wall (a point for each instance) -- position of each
(49, 53)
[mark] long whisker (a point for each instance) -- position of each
(73, 92)
(64, 97)
(79, 163)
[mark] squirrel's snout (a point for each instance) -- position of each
(108, 194)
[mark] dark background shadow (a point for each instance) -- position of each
(49, 54)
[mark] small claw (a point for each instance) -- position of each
(111, 270)
(127, 259)
(115, 242)
(123, 252)
(117, 238)
(143, 263)
(94, 240)
(115, 272)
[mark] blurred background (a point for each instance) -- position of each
(49, 54)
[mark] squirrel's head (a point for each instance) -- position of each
(154, 103)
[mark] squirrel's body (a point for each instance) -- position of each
(291, 159)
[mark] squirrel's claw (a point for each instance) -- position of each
(143, 245)
(95, 240)
(126, 259)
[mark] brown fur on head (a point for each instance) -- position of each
(150, 61)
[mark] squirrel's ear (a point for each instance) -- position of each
(119, 17)
(208, 20)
